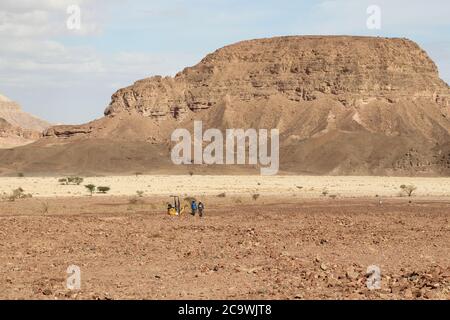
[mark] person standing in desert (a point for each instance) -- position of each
(193, 207)
(201, 207)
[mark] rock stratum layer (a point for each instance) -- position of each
(17, 127)
(12, 136)
(13, 113)
(353, 71)
(343, 105)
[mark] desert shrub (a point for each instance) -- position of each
(18, 193)
(71, 180)
(140, 193)
(222, 195)
(134, 200)
(333, 196)
(191, 173)
(324, 192)
(408, 189)
(75, 180)
(255, 196)
(91, 188)
(103, 189)
(20, 175)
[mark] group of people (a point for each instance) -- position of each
(194, 207)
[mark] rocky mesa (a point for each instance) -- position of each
(343, 105)
(351, 70)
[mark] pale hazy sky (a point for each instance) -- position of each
(68, 76)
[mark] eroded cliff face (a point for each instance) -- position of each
(351, 70)
(12, 136)
(343, 106)
(18, 128)
(13, 113)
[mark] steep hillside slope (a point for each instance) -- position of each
(11, 136)
(343, 105)
(13, 113)
(18, 128)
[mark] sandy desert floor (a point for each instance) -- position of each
(289, 186)
(268, 248)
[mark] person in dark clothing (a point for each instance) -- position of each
(193, 207)
(201, 207)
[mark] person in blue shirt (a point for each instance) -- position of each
(194, 207)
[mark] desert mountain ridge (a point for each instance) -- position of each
(17, 127)
(344, 105)
(13, 113)
(12, 136)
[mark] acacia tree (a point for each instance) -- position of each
(103, 189)
(408, 189)
(91, 188)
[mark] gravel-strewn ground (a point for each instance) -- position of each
(264, 248)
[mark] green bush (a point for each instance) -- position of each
(408, 189)
(103, 189)
(75, 180)
(90, 187)
(18, 193)
(140, 193)
(71, 180)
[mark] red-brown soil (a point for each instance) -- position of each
(261, 249)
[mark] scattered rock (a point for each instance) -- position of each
(46, 292)
(351, 274)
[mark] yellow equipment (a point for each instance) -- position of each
(172, 211)
(176, 209)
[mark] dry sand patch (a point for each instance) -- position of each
(296, 186)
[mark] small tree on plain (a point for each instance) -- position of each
(140, 193)
(408, 189)
(90, 187)
(103, 189)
